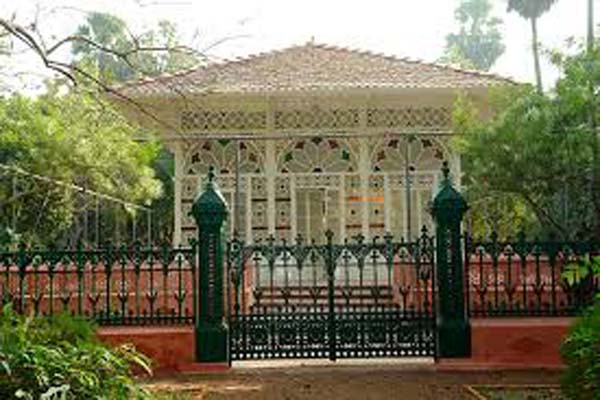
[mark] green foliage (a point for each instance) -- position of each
(118, 56)
(530, 9)
(581, 353)
(74, 138)
(526, 156)
(58, 358)
(478, 44)
(585, 268)
(115, 56)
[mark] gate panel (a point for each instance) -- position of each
(358, 299)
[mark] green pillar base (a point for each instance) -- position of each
(454, 339)
(212, 342)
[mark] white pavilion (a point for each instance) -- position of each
(310, 138)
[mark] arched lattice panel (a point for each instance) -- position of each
(317, 155)
(222, 154)
(423, 154)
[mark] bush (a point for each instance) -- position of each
(581, 353)
(59, 358)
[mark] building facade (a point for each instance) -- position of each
(310, 138)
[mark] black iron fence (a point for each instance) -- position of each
(525, 277)
(359, 298)
(115, 286)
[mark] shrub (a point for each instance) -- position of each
(581, 353)
(59, 358)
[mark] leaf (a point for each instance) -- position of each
(56, 393)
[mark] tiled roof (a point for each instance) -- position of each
(312, 67)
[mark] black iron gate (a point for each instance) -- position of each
(356, 299)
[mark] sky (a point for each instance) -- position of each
(406, 28)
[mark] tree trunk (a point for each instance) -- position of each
(536, 55)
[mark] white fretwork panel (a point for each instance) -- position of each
(317, 118)
(316, 155)
(353, 206)
(259, 221)
(223, 120)
(259, 187)
(317, 181)
(409, 117)
(283, 208)
(221, 154)
(352, 183)
(258, 211)
(375, 201)
(190, 187)
(282, 186)
(376, 184)
(426, 218)
(186, 219)
(419, 154)
(424, 180)
(333, 212)
(283, 223)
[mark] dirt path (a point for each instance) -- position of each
(345, 382)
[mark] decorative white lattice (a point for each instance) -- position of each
(317, 181)
(422, 154)
(317, 118)
(223, 120)
(418, 180)
(317, 155)
(190, 187)
(409, 117)
(283, 207)
(258, 211)
(222, 155)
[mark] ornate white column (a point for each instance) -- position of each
(270, 172)
(364, 170)
(178, 187)
(342, 205)
(387, 203)
(248, 216)
(293, 208)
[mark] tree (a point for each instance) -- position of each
(478, 44)
(124, 61)
(74, 139)
(530, 152)
(106, 46)
(532, 10)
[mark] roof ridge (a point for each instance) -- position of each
(368, 55)
(407, 59)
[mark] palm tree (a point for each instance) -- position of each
(590, 26)
(532, 10)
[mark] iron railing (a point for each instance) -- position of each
(114, 286)
(524, 277)
(357, 298)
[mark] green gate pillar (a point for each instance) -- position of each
(212, 334)
(454, 331)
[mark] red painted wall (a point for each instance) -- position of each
(170, 348)
(496, 343)
(526, 342)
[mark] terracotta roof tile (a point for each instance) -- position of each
(312, 67)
